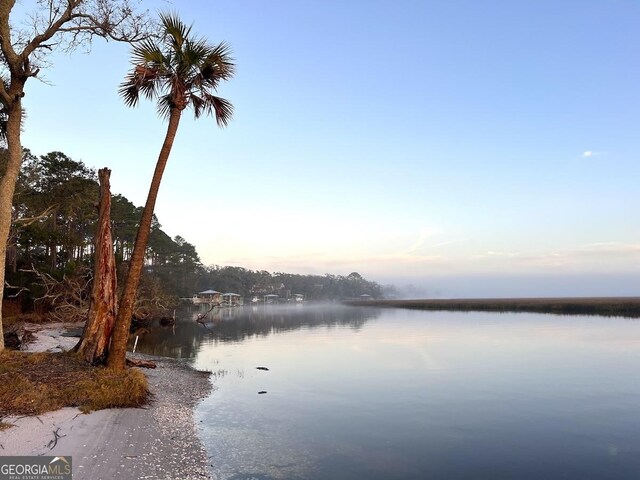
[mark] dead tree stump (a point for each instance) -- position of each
(97, 332)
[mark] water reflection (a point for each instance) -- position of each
(357, 393)
(417, 395)
(199, 325)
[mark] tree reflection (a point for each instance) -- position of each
(183, 339)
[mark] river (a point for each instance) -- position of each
(348, 393)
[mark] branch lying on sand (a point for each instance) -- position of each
(140, 363)
(56, 436)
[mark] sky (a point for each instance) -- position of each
(468, 148)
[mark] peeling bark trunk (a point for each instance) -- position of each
(97, 332)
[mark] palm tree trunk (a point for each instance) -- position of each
(7, 188)
(118, 349)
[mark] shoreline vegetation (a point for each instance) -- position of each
(32, 383)
(156, 439)
(602, 306)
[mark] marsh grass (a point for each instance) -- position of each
(34, 383)
(604, 306)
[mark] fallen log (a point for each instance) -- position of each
(140, 363)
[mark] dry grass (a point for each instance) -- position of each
(4, 426)
(10, 321)
(34, 383)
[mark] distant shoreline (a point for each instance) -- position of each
(603, 306)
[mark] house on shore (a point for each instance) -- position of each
(232, 300)
(271, 298)
(208, 296)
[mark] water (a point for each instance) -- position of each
(356, 393)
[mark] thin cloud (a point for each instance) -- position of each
(420, 243)
(591, 154)
(628, 253)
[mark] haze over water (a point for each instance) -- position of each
(356, 393)
(490, 147)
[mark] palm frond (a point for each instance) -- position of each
(175, 30)
(217, 66)
(198, 103)
(219, 107)
(194, 53)
(198, 50)
(179, 71)
(164, 106)
(142, 80)
(221, 57)
(129, 90)
(148, 86)
(147, 52)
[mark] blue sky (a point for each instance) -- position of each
(474, 147)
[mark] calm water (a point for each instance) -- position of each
(356, 393)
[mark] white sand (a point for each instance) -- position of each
(158, 441)
(48, 337)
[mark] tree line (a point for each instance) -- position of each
(257, 283)
(54, 223)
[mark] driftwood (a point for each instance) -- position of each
(56, 436)
(66, 298)
(11, 287)
(201, 316)
(140, 363)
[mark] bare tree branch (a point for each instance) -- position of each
(53, 28)
(25, 222)
(68, 298)
(8, 52)
(20, 289)
(66, 24)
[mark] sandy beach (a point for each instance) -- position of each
(158, 441)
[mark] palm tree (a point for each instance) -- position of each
(179, 71)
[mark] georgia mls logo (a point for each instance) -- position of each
(59, 466)
(35, 468)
